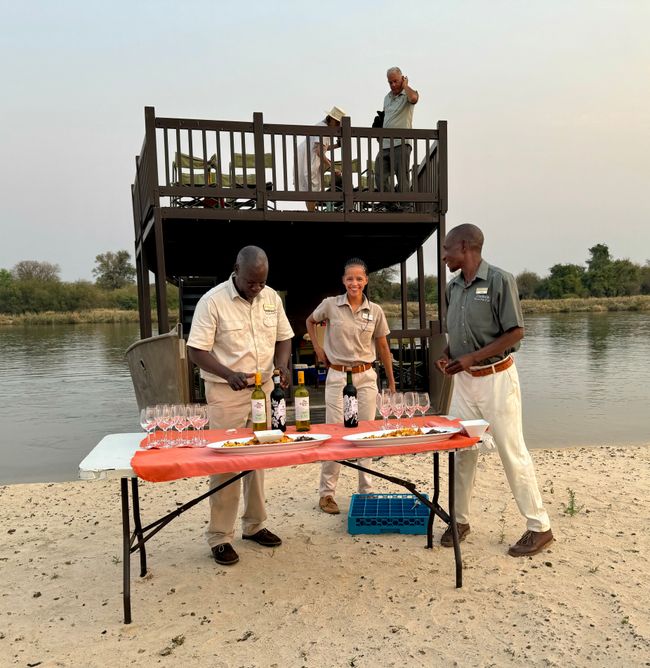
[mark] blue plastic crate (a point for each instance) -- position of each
(387, 513)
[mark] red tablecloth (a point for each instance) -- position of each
(176, 463)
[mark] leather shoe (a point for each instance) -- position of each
(264, 537)
(531, 543)
(328, 505)
(447, 539)
(225, 554)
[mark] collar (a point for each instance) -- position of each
(481, 273)
(234, 293)
(342, 300)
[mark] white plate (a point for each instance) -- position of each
(443, 433)
(269, 447)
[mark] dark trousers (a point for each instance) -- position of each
(399, 168)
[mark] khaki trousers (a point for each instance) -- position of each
(366, 384)
(497, 399)
(228, 409)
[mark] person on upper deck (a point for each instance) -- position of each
(356, 331)
(485, 326)
(239, 327)
(309, 170)
(398, 113)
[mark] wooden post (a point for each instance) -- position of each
(260, 175)
(346, 164)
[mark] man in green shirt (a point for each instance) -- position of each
(485, 326)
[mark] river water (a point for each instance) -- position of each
(584, 381)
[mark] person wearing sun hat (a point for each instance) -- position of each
(309, 170)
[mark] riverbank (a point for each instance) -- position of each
(591, 305)
(327, 598)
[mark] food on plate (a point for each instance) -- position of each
(254, 441)
(406, 431)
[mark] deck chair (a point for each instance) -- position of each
(191, 170)
(241, 173)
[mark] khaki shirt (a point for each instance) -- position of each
(350, 337)
(481, 312)
(241, 335)
(398, 113)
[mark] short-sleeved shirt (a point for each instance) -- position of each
(350, 336)
(240, 335)
(479, 313)
(398, 113)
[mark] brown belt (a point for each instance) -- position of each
(355, 369)
(492, 368)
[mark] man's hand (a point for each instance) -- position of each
(441, 364)
(405, 83)
(238, 380)
(284, 376)
(463, 363)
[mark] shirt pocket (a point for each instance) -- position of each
(232, 335)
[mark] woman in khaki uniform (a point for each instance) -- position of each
(356, 332)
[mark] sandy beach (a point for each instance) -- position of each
(328, 598)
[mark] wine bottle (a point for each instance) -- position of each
(350, 403)
(278, 404)
(301, 404)
(258, 405)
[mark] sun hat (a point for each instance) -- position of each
(336, 113)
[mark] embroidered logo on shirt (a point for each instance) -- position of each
(269, 308)
(481, 291)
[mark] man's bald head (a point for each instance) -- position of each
(251, 256)
(470, 234)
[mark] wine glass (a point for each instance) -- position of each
(181, 422)
(164, 421)
(410, 405)
(424, 403)
(397, 403)
(384, 407)
(200, 420)
(148, 423)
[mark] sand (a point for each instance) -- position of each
(327, 598)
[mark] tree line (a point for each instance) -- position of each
(33, 287)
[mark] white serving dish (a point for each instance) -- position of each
(474, 428)
(379, 438)
(314, 442)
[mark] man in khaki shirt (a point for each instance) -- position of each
(239, 327)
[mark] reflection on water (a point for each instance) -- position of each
(64, 387)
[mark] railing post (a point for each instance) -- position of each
(346, 164)
(260, 174)
(151, 154)
(442, 165)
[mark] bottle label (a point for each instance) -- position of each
(302, 408)
(278, 413)
(350, 409)
(258, 411)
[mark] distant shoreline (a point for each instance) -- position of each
(392, 310)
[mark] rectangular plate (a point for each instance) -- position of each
(362, 438)
(268, 447)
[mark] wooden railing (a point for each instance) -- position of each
(254, 165)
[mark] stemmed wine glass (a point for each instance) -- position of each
(181, 422)
(164, 421)
(397, 403)
(199, 420)
(410, 405)
(148, 423)
(424, 403)
(384, 407)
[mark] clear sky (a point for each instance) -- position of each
(548, 105)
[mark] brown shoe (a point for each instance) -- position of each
(225, 554)
(447, 539)
(264, 537)
(530, 543)
(328, 505)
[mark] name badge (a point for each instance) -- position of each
(366, 316)
(269, 308)
(481, 291)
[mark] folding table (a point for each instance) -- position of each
(121, 456)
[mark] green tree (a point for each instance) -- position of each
(5, 278)
(626, 278)
(565, 280)
(430, 289)
(113, 270)
(28, 270)
(528, 283)
(599, 277)
(644, 278)
(381, 285)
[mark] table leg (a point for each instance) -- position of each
(436, 494)
(452, 519)
(137, 526)
(126, 551)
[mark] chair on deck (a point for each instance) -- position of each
(194, 171)
(245, 179)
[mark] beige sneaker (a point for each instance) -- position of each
(328, 505)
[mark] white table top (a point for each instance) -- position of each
(111, 457)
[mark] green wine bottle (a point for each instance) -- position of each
(301, 404)
(258, 405)
(350, 403)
